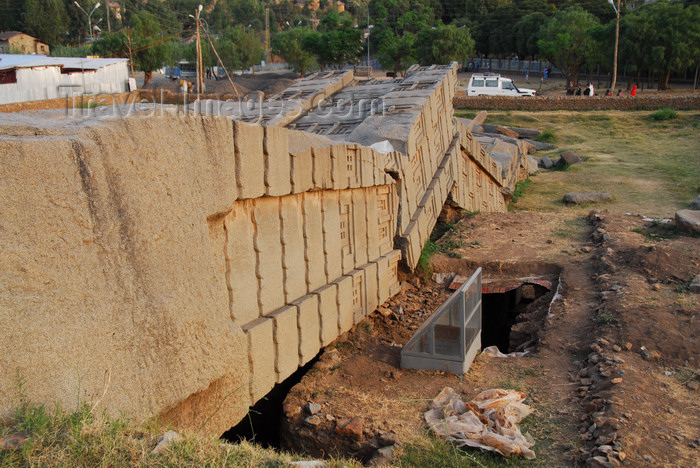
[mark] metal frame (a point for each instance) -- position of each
(428, 350)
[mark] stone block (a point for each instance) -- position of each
(250, 163)
(241, 263)
(302, 171)
(313, 241)
(278, 170)
(359, 223)
(371, 197)
(328, 313)
(371, 287)
(309, 327)
(266, 218)
(347, 231)
(332, 246)
(286, 339)
(260, 358)
(322, 168)
(345, 305)
(337, 156)
(366, 167)
(293, 258)
(688, 220)
(359, 295)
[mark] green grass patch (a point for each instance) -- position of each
(547, 136)
(465, 114)
(605, 318)
(572, 228)
(664, 113)
(520, 189)
(84, 437)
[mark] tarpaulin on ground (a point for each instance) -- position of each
(489, 421)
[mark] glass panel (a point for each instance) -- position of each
(477, 83)
(448, 339)
(492, 83)
(423, 343)
(472, 327)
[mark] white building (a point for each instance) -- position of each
(36, 77)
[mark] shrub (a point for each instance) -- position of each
(664, 113)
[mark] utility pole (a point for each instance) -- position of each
(199, 53)
(369, 31)
(109, 28)
(267, 34)
(617, 45)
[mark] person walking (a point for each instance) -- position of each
(634, 91)
(590, 89)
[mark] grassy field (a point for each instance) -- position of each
(651, 166)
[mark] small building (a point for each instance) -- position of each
(15, 42)
(33, 77)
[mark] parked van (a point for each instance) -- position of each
(493, 84)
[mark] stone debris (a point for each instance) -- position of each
(309, 464)
(13, 441)
(546, 163)
(350, 427)
(539, 145)
(695, 204)
(578, 198)
(570, 158)
(312, 408)
(165, 441)
(688, 220)
(695, 284)
(489, 421)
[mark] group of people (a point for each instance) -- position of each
(576, 90)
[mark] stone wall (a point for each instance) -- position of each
(182, 279)
(577, 103)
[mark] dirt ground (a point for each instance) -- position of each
(612, 373)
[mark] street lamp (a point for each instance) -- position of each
(89, 15)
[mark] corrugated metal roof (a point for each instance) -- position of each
(33, 61)
(8, 34)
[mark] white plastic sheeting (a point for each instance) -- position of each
(40, 77)
(489, 421)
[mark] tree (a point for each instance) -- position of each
(443, 44)
(527, 30)
(144, 43)
(240, 48)
(151, 45)
(287, 44)
(396, 53)
(669, 34)
(338, 44)
(566, 41)
(11, 17)
(47, 20)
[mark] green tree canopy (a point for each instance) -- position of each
(396, 53)
(46, 20)
(288, 45)
(566, 40)
(443, 44)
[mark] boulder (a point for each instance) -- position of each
(506, 131)
(546, 162)
(540, 145)
(532, 166)
(688, 220)
(695, 204)
(526, 132)
(480, 118)
(570, 157)
(577, 198)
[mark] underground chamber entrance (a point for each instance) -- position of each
(263, 423)
(514, 311)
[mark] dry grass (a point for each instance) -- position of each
(650, 167)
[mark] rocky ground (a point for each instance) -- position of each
(612, 371)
